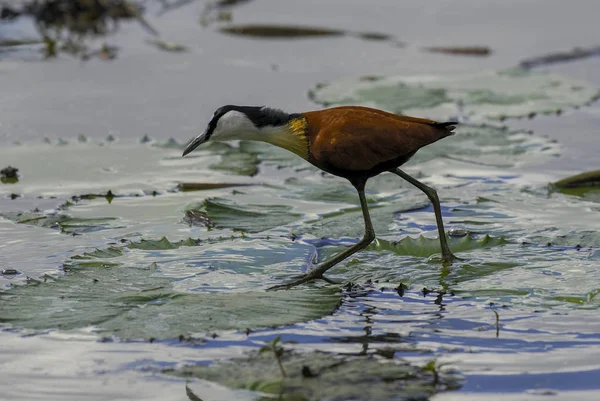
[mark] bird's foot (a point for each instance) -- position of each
(446, 258)
(449, 258)
(310, 276)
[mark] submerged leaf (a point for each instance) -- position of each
(331, 377)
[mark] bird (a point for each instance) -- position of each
(352, 142)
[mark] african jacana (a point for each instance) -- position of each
(352, 142)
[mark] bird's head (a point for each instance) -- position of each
(255, 123)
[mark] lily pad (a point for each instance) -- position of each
(491, 94)
(590, 179)
(487, 145)
(135, 303)
(63, 222)
(124, 168)
(425, 247)
(250, 218)
(322, 376)
(585, 185)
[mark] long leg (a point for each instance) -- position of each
(447, 255)
(317, 272)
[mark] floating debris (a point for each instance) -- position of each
(561, 57)
(198, 218)
(298, 32)
(9, 272)
(218, 11)
(167, 46)
(462, 51)
(203, 186)
(279, 31)
(9, 175)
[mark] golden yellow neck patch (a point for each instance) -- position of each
(297, 126)
(291, 136)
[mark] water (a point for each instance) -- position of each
(103, 306)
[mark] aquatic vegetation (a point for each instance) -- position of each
(323, 376)
(490, 95)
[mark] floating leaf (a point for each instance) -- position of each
(321, 376)
(161, 244)
(133, 303)
(590, 179)
(65, 223)
(238, 163)
(492, 94)
(250, 218)
(424, 247)
(110, 252)
(487, 145)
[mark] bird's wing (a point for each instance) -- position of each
(359, 138)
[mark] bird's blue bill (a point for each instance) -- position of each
(197, 141)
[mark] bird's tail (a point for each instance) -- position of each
(449, 126)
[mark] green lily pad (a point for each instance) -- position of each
(590, 179)
(321, 376)
(65, 223)
(136, 303)
(161, 244)
(491, 94)
(238, 162)
(424, 247)
(250, 218)
(585, 184)
(124, 168)
(488, 145)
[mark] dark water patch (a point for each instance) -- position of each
(535, 384)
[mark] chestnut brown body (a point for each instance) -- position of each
(359, 142)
